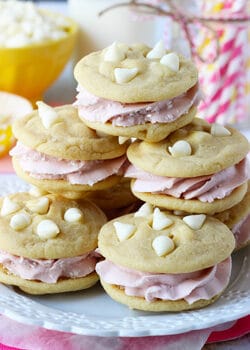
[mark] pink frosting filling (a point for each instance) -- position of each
(191, 287)
(97, 109)
(89, 172)
(49, 271)
(241, 231)
(205, 188)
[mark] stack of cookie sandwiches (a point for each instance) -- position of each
(173, 253)
(48, 236)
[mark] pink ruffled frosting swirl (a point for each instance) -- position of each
(203, 284)
(87, 172)
(97, 109)
(205, 188)
(49, 270)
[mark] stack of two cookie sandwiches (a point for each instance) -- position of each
(172, 254)
(48, 236)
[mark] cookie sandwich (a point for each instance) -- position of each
(200, 168)
(117, 200)
(47, 243)
(136, 91)
(157, 261)
(57, 152)
(237, 219)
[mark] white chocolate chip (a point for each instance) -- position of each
(162, 245)
(219, 130)
(9, 207)
(36, 192)
(39, 205)
(160, 220)
(195, 221)
(180, 149)
(72, 215)
(171, 60)
(47, 229)
(114, 53)
(124, 75)
(20, 220)
(123, 231)
(145, 210)
(122, 139)
(157, 52)
(47, 114)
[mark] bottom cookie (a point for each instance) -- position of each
(193, 205)
(140, 303)
(63, 187)
(40, 288)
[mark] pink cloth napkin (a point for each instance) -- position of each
(6, 165)
(21, 336)
(25, 337)
(18, 336)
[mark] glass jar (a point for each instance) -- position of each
(118, 24)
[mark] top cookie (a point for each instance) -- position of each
(152, 80)
(67, 137)
(187, 249)
(208, 151)
(76, 231)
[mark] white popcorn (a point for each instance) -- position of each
(39, 206)
(22, 24)
(56, 35)
(27, 27)
(73, 215)
(158, 51)
(124, 75)
(163, 245)
(9, 207)
(219, 130)
(171, 60)
(47, 229)
(144, 211)
(160, 220)
(180, 149)
(36, 192)
(20, 220)
(195, 221)
(123, 231)
(18, 40)
(48, 114)
(113, 53)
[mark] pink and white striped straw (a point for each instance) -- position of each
(223, 82)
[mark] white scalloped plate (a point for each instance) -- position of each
(92, 312)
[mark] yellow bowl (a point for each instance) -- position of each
(29, 70)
